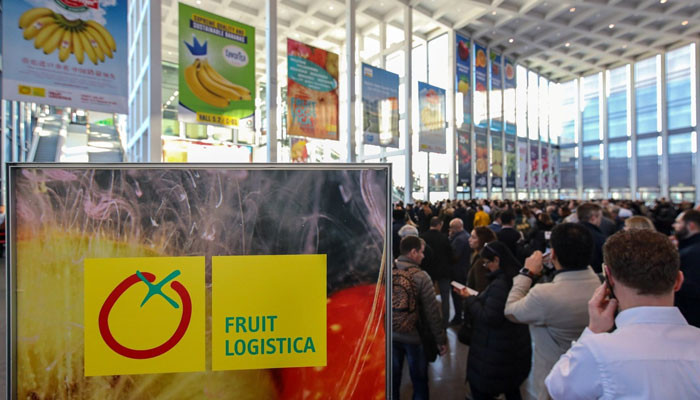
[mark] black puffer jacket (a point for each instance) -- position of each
(500, 351)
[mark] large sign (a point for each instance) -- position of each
(509, 97)
(312, 91)
(123, 275)
(431, 113)
(66, 53)
(534, 165)
(496, 160)
(496, 92)
(464, 79)
(464, 157)
(523, 167)
(482, 160)
(380, 106)
(217, 68)
(511, 162)
(481, 115)
(546, 182)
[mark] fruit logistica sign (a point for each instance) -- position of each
(68, 53)
(217, 69)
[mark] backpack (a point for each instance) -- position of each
(404, 300)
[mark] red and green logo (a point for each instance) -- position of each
(78, 5)
(153, 289)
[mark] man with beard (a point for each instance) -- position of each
(687, 232)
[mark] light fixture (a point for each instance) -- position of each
(331, 7)
(624, 46)
(175, 93)
(493, 12)
(511, 40)
(170, 53)
(199, 2)
(572, 9)
(611, 26)
(663, 1)
(684, 23)
(567, 44)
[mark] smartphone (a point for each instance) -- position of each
(461, 287)
(609, 286)
(547, 235)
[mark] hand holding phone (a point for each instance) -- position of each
(601, 310)
(463, 291)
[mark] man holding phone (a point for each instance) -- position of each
(653, 353)
(556, 311)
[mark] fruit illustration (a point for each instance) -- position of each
(463, 50)
(52, 31)
(212, 88)
(463, 86)
(480, 59)
(510, 73)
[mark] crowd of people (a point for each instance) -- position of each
(604, 294)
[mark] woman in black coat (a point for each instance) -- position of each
(500, 352)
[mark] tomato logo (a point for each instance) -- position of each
(153, 289)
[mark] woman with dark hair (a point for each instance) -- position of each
(500, 351)
(476, 277)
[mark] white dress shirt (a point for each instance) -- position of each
(653, 354)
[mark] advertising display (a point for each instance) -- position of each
(312, 91)
(545, 166)
(194, 281)
(496, 160)
(496, 92)
(300, 152)
(482, 160)
(534, 165)
(510, 162)
(481, 116)
(555, 168)
(380, 106)
(216, 68)
(66, 53)
(509, 97)
(464, 158)
(431, 112)
(523, 167)
(464, 79)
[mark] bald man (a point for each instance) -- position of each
(459, 241)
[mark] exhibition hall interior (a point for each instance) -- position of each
(253, 176)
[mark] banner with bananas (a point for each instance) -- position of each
(217, 68)
(312, 91)
(431, 109)
(482, 159)
(496, 160)
(66, 53)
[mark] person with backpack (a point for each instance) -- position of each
(413, 297)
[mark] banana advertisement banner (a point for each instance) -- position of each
(481, 113)
(509, 96)
(496, 160)
(66, 53)
(431, 114)
(464, 158)
(196, 281)
(510, 161)
(464, 79)
(216, 68)
(380, 106)
(312, 91)
(482, 159)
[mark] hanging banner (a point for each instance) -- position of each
(216, 68)
(380, 106)
(312, 91)
(126, 274)
(555, 168)
(464, 79)
(481, 117)
(523, 167)
(496, 160)
(464, 158)
(66, 53)
(431, 111)
(510, 162)
(509, 97)
(546, 183)
(534, 165)
(496, 92)
(482, 159)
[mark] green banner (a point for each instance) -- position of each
(217, 68)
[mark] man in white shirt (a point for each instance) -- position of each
(653, 353)
(556, 311)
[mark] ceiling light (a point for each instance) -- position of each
(493, 13)
(611, 26)
(567, 44)
(624, 46)
(663, 1)
(511, 40)
(170, 53)
(199, 2)
(684, 23)
(331, 7)
(572, 9)
(175, 93)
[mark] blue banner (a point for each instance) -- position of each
(380, 106)
(481, 118)
(496, 92)
(464, 79)
(509, 97)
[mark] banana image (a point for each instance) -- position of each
(199, 91)
(32, 15)
(243, 93)
(51, 31)
(214, 87)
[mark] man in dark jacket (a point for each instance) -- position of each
(508, 234)
(442, 259)
(459, 240)
(408, 345)
(399, 220)
(590, 215)
(687, 231)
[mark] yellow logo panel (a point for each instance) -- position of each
(144, 315)
(268, 311)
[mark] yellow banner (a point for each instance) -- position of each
(268, 312)
(216, 119)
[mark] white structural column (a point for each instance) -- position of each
(271, 77)
(579, 135)
(663, 175)
(695, 71)
(605, 177)
(350, 63)
(451, 127)
(632, 108)
(408, 86)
